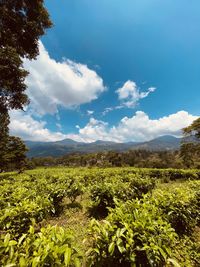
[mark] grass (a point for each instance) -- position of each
(76, 218)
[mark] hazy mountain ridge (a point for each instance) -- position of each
(67, 146)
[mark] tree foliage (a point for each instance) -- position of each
(13, 154)
(190, 148)
(22, 22)
(193, 129)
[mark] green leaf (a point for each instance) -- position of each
(12, 243)
(77, 262)
(111, 248)
(67, 256)
(21, 239)
(36, 261)
(174, 262)
(22, 262)
(6, 239)
(163, 253)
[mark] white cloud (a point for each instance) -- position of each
(137, 128)
(107, 110)
(94, 130)
(90, 112)
(129, 94)
(141, 128)
(68, 84)
(24, 126)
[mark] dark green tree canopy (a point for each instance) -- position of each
(12, 76)
(22, 22)
(193, 129)
(190, 147)
(13, 154)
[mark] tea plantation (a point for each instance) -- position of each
(100, 217)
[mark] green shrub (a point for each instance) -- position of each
(142, 186)
(17, 219)
(52, 246)
(56, 195)
(75, 189)
(134, 234)
(104, 194)
(180, 207)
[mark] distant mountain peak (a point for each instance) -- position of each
(69, 146)
(66, 141)
(166, 138)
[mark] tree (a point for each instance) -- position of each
(4, 122)
(16, 151)
(186, 153)
(14, 156)
(193, 130)
(190, 147)
(22, 22)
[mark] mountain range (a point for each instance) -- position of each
(68, 146)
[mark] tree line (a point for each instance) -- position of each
(133, 158)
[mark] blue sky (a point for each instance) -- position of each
(114, 70)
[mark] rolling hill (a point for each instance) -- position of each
(68, 146)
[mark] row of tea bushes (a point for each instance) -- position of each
(134, 234)
(147, 220)
(51, 246)
(150, 231)
(105, 194)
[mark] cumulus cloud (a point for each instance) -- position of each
(129, 94)
(52, 84)
(26, 127)
(136, 128)
(139, 127)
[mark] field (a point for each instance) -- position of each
(100, 217)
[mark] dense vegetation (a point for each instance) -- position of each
(100, 217)
(187, 157)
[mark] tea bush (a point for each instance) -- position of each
(134, 234)
(52, 246)
(104, 194)
(149, 222)
(180, 207)
(17, 219)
